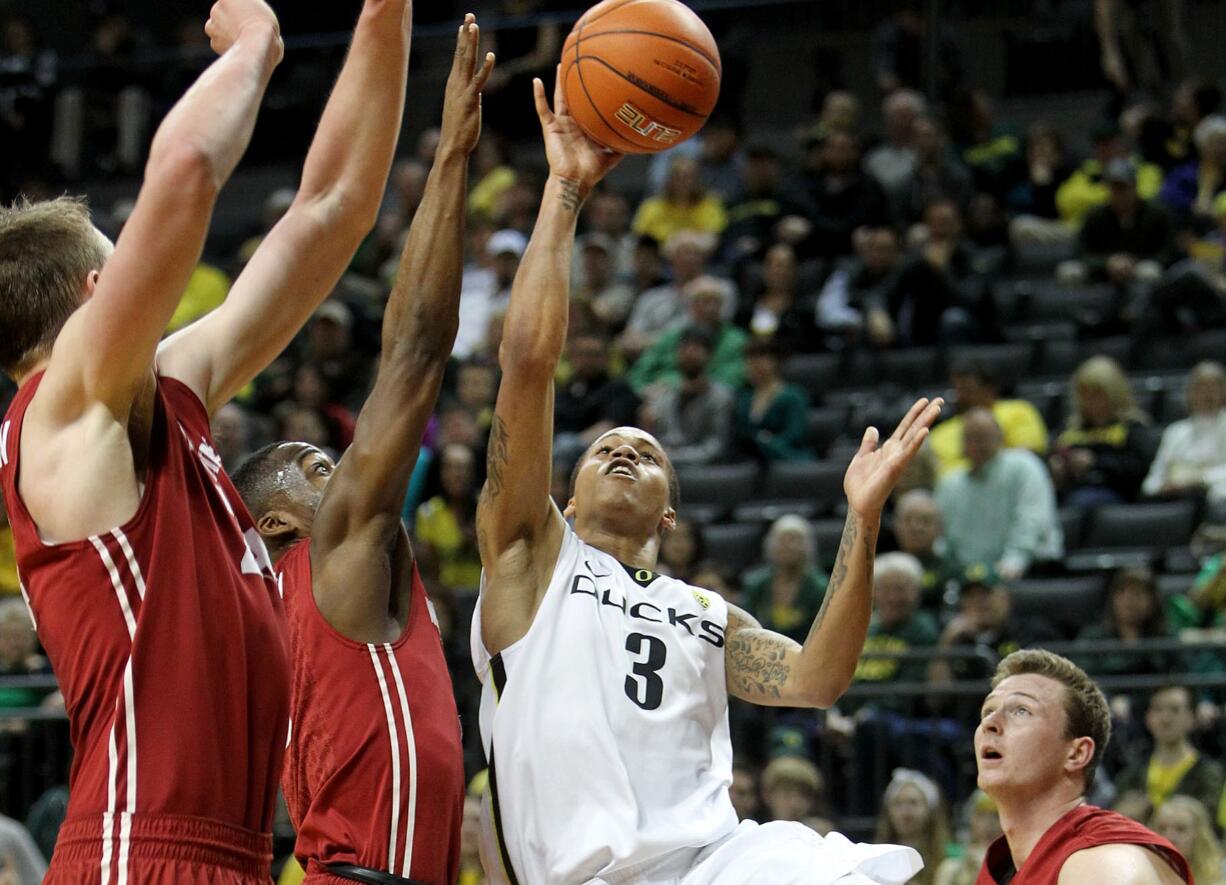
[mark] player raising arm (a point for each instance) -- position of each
(375, 787)
(151, 590)
(575, 627)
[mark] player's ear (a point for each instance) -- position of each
(668, 521)
(275, 524)
(1081, 751)
(91, 283)
(569, 512)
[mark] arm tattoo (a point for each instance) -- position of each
(571, 197)
(756, 662)
(839, 575)
(496, 460)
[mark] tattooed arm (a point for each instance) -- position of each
(769, 669)
(519, 530)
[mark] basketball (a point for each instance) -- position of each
(640, 76)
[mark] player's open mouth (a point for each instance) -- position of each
(621, 468)
(989, 755)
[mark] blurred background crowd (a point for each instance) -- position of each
(1018, 205)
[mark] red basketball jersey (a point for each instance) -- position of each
(1084, 827)
(374, 772)
(169, 641)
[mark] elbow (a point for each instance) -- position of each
(823, 697)
(528, 355)
(340, 214)
(190, 167)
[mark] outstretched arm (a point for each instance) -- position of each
(299, 262)
(105, 351)
(357, 527)
(519, 529)
(769, 669)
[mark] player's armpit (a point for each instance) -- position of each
(1120, 864)
(761, 665)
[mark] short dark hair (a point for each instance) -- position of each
(763, 347)
(1085, 706)
(47, 249)
(977, 369)
(674, 484)
(254, 479)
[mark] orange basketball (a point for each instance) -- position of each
(640, 76)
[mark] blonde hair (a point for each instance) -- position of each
(793, 771)
(936, 829)
(790, 522)
(1206, 857)
(1205, 371)
(47, 249)
(1105, 374)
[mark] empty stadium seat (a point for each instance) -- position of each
(915, 368)
(826, 424)
(816, 373)
(736, 546)
(1153, 526)
(1006, 361)
(709, 492)
(1068, 603)
(1174, 585)
(806, 488)
(826, 534)
(1051, 300)
(1072, 524)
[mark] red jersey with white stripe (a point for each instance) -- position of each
(1086, 826)
(168, 638)
(374, 772)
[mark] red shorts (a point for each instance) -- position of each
(160, 849)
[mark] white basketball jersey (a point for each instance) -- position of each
(606, 725)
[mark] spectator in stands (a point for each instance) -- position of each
(1134, 613)
(232, 435)
(898, 624)
(19, 654)
(590, 401)
(938, 174)
(691, 416)
(1127, 242)
(684, 204)
(1175, 767)
(985, 618)
(314, 391)
(20, 860)
(893, 162)
(744, 792)
(299, 422)
(1189, 189)
(1192, 454)
(792, 789)
(1105, 451)
(486, 289)
(607, 213)
(1204, 605)
(1087, 188)
(681, 551)
(841, 197)
(919, 532)
(721, 158)
(991, 149)
(476, 385)
(597, 287)
(445, 530)
(779, 312)
(1194, 100)
(940, 296)
(976, 386)
(9, 585)
(772, 416)
(982, 829)
(786, 592)
(854, 302)
(707, 303)
(331, 348)
(763, 204)
(913, 813)
(471, 870)
(1033, 199)
(1186, 823)
(713, 576)
(662, 306)
(492, 176)
(1001, 509)
(1142, 48)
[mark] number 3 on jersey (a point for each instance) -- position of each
(648, 692)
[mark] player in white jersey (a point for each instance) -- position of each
(605, 706)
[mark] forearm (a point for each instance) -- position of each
(828, 658)
(534, 331)
(423, 309)
(347, 165)
(216, 116)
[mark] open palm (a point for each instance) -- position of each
(572, 155)
(875, 470)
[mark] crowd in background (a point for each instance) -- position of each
(701, 284)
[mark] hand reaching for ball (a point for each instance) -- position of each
(572, 155)
(228, 19)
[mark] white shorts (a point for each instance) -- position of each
(779, 853)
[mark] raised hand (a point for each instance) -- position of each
(228, 18)
(874, 470)
(572, 155)
(462, 102)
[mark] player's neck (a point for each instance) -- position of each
(23, 375)
(636, 552)
(1026, 820)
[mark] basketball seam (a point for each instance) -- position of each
(596, 108)
(714, 63)
(639, 87)
(621, 5)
